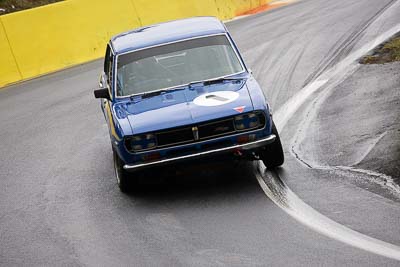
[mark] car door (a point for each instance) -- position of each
(106, 80)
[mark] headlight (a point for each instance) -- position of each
(141, 142)
(248, 121)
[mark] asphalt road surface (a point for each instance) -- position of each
(60, 205)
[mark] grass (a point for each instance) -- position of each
(9, 6)
(387, 52)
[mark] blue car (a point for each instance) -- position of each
(179, 91)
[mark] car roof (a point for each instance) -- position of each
(166, 32)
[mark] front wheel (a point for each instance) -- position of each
(272, 155)
(121, 174)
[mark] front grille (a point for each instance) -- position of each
(201, 132)
(173, 137)
(215, 129)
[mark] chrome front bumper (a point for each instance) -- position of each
(246, 146)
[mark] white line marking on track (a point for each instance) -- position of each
(286, 111)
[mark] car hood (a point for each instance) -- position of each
(187, 106)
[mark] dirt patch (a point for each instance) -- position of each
(9, 6)
(386, 52)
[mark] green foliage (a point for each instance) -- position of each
(388, 52)
(393, 48)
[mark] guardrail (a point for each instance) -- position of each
(49, 38)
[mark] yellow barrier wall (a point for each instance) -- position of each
(45, 39)
(151, 12)
(66, 33)
(8, 67)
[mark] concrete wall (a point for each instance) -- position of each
(49, 38)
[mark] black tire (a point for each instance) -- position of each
(122, 176)
(272, 155)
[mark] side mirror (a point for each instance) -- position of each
(102, 93)
(250, 71)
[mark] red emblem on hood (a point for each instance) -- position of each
(240, 109)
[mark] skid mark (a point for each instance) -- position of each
(345, 44)
(282, 196)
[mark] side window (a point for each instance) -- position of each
(107, 59)
(108, 62)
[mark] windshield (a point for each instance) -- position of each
(176, 64)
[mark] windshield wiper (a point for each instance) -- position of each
(188, 85)
(158, 92)
(221, 80)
